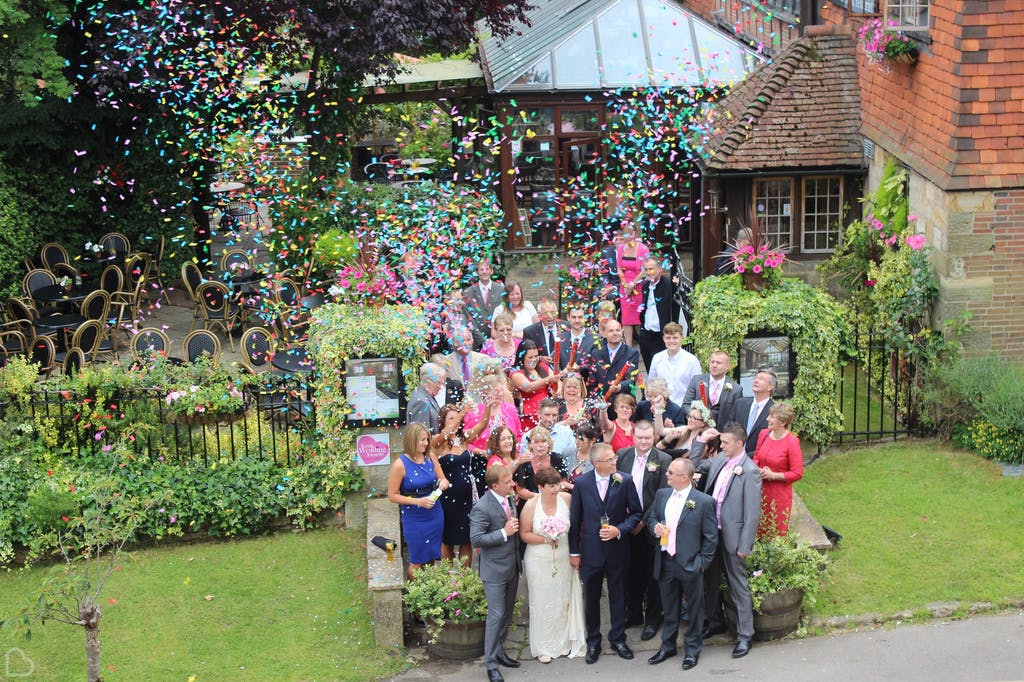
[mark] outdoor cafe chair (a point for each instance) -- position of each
(124, 310)
(65, 270)
(53, 253)
(36, 279)
(87, 338)
(116, 241)
(74, 361)
(191, 278)
(112, 279)
(288, 292)
(201, 342)
(44, 353)
(150, 341)
(378, 173)
(137, 269)
(12, 341)
(235, 259)
(217, 308)
(257, 348)
(96, 306)
(155, 272)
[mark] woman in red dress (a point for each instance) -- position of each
(534, 380)
(619, 432)
(782, 464)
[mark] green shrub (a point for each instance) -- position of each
(16, 241)
(984, 438)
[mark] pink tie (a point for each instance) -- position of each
(504, 505)
(483, 293)
(602, 487)
(716, 388)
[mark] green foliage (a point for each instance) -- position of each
(17, 377)
(31, 63)
(339, 332)
(979, 402)
(446, 592)
(785, 563)
(724, 313)
(984, 438)
(16, 211)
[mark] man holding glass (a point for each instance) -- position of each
(683, 520)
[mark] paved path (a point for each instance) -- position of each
(984, 648)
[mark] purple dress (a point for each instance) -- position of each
(507, 361)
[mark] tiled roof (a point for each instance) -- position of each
(800, 111)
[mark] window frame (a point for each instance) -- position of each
(907, 6)
(763, 215)
(803, 213)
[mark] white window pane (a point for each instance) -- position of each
(622, 46)
(576, 61)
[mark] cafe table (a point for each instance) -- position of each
(55, 293)
(293, 360)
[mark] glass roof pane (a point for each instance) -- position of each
(576, 61)
(721, 58)
(671, 43)
(535, 77)
(622, 46)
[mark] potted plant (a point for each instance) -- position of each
(784, 574)
(450, 598)
(758, 262)
(880, 43)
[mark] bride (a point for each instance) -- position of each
(556, 596)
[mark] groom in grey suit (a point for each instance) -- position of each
(734, 482)
(493, 529)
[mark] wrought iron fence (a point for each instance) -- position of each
(876, 392)
(272, 424)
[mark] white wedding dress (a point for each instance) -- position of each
(556, 601)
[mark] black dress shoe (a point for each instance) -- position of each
(742, 648)
(690, 661)
(711, 631)
(661, 656)
(504, 659)
(593, 654)
(649, 632)
(495, 676)
(622, 650)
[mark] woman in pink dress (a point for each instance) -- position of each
(505, 415)
(782, 464)
(630, 254)
(504, 345)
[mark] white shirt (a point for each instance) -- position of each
(500, 500)
(674, 508)
(520, 320)
(651, 321)
(677, 370)
(637, 472)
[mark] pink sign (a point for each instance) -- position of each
(373, 449)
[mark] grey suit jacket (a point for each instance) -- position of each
(499, 557)
(423, 409)
(478, 313)
(453, 365)
(696, 532)
(741, 508)
(725, 406)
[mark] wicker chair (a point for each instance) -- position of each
(53, 253)
(44, 354)
(74, 361)
(217, 309)
(257, 348)
(148, 342)
(116, 241)
(191, 278)
(201, 342)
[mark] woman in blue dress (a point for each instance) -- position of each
(413, 477)
(451, 449)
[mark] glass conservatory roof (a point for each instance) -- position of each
(601, 44)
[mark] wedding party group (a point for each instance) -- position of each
(533, 457)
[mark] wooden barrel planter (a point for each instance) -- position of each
(778, 616)
(753, 281)
(459, 641)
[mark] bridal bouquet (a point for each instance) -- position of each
(553, 528)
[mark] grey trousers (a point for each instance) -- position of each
(501, 599)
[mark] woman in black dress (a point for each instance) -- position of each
(451, 448)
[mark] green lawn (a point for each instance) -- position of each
(921, 523)
(292, 606)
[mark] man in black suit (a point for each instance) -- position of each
(752, 412)
(647, 466)
(577, 334)
(721, 390)
(606, 361)
(546, 332)
(656, 309)
(604, 509)
(683, 521)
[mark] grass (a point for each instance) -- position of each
(921, 523)
(291, 606)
